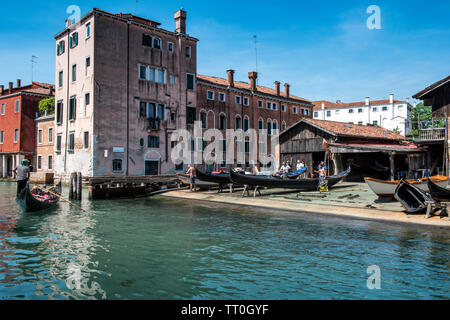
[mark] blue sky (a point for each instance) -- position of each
(322, 48)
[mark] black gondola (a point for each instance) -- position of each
(437, 192)
(221, 179)
(276, 182)
(412, 198)
(29, 203)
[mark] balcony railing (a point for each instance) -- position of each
(432, 134)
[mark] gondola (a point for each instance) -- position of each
(411, 197)
(220, 179)
(30, 203)
(437, 192)
(277, 182)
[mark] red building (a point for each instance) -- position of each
(228, 104)
(18, 108)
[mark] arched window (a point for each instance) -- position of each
(211, 119)
(260, 124)
(246, 123)
(283, 126)
(269, 127)
(274, 126)
(203, 119)
(238, 124)
(222, 122)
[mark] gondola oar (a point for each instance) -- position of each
(57, 195)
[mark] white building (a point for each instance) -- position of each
(390, 114)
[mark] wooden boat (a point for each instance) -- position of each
(278, 182)
(32, 203)
(385, 188)
(184, 178)
(411, 197)
(220, 179)
(437, 192)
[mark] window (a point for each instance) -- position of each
(269, 105)
(73, 40)
(269, 128)
(117, 165)
(283, 126)
(360, 110)
(50, 135)
(16, 106)
(170, 46)
(74, 73)
(86, 140)
(50, 162)
(210, 95)
(173, 116)
(39, 162)
(306, 112)
(384, 109)
(88, 62)
(260, 104)
(173, 80)
(16, 135)
(60, 48)
(2, 136)
(40, 136)
(2, 109)
(156, 43)
(328, 113)
(188, 52)
(238, 124)
(222, 122)
(71, 143)
(246, 124)
(316, 114)
(375, 122)
(60, 79)
(295, 110)
(275, 126)
(190, 115)
(203, 120)
(152, 74)
(350, 110)
(400, 107)
(59, 112)
(58, 143)
(146, 40)
(336, 112)
(87, 99)
(374, 109)
(190, 82)
(221, 97)
(88, 31)
(72, 108)
(260, 124)
(153, 141)
(283, 108)
(360, 123)
(237, 99)
(246, 101)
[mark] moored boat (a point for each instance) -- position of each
(185, 179)
(437, 192)
(278, 182)
(411, 197)
(33, 203)
(386, 188)
(220, 178)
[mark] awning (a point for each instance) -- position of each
(356, 147)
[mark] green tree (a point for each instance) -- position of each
(47, 104)
(397, 130)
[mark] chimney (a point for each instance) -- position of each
(50, 90)
(367, 101)
(323, 105)
(391, 98)
(407, 100)
(252, 76)
(286, 89)
(230, 77)
(18, 83)
(68, 23)
(1, 89)
(10, 87)
(277, 87)
(180, 21)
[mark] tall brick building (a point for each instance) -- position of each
(123, 85)
(18, 108)
(228, 104)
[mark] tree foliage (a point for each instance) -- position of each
(47, 105)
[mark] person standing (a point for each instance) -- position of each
(191, 173)
(22, 174)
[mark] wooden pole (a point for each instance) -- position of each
(71, 185)
(79, 185)
(392, 163)
(57, 195)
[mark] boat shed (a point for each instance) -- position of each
(370, 150)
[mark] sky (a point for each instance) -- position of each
(323, 49)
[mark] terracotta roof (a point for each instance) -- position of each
(245, 86)
(35, 87)
(351, 130)
(333, 105)
(435, 85)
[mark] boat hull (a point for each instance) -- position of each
(411, 197)
(185, 179)
(276, 182)
(28, 203)
(221, 179)
(438, 193)
(386, 189)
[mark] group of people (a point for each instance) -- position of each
(286, 166)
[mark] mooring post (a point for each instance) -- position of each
(79, 185)
(72, 185)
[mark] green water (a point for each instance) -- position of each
(169, 249)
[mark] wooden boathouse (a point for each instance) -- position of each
(369, 149)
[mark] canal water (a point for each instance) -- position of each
(158, 248)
